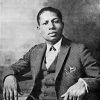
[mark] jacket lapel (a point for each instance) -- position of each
(39, 54)
(38, 58)
(65, 47)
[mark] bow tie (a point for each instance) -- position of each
(52, 48)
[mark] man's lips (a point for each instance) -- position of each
(52, 33)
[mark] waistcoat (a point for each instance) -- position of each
(48, 82)
(44, 88)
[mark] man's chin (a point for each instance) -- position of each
(53, 40)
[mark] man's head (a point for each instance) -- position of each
(51, 9)
(50, 24)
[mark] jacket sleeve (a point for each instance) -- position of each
(21, 67)
(92, 69)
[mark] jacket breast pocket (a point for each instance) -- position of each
(68, 69)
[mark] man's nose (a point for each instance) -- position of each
(51, 26)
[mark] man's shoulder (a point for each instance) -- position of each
(73, 43)
(79, 47)
(37, 46)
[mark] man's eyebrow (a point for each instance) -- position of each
(56, 18)
(52, 19)
(45, 21)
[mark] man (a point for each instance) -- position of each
(61, 69)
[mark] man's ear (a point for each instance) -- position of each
(38, 28)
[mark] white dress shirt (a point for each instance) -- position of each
(51, 55)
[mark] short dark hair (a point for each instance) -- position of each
(51, 9)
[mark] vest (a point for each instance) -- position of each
(48, 82)
(44, 88)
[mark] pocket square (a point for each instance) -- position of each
(71, 68)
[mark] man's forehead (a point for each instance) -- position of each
(48, 15)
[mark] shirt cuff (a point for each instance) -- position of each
(86, 85)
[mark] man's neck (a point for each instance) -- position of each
(53, 42)
(56, 45)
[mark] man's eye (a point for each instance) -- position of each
(45, 23)
(56, 21)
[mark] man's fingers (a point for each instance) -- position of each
(11, 94)
(15, 94)
(75, 98)
(4, 93)
(10, 88)
(69, 97)
(80, 97)
(7, 94)
(65, 96)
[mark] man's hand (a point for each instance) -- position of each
(10, 88)
(75, 92)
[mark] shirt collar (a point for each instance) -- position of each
(56, 46)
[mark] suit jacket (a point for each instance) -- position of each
(74, 62)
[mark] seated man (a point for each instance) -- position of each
(61, 69)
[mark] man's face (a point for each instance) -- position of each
(50, 27)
